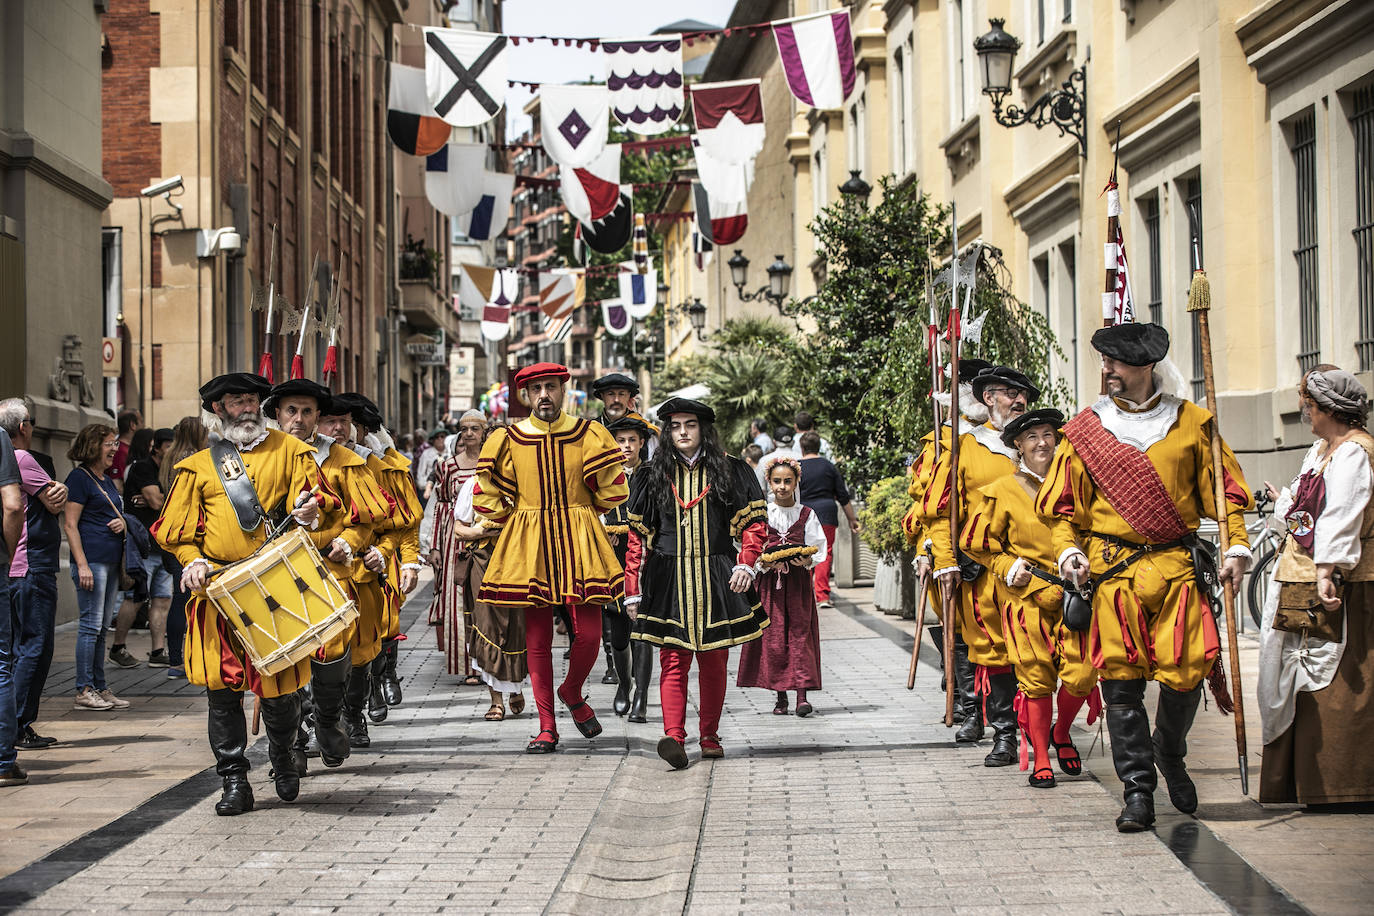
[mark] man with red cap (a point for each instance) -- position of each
(543, 484)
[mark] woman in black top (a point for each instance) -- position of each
(822, 488)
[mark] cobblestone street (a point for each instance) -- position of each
(864, 807)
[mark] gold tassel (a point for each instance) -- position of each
(1199, 292)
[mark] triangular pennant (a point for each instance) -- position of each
(410, 119)
(729, 119)
(474, 286)
(591, 193)
(453, 177)
(465, 75)
(488, 218)
(644, 76)
(616, 319)
(560, 291)
(573, 122)
(817, 54)
(639, 293)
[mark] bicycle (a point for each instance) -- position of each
(1265, 542)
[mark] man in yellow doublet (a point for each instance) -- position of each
(983, 458)
(1129, 485)
(544, 483)
(200, 527)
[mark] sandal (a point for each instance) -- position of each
(496, 713)
(587, 725)
(804, 709)
(517, 703)
(1072, 766)
(1042, 778)
(471, 680)
(541, 745)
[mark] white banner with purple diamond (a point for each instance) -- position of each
(644, 76)
(573, 123)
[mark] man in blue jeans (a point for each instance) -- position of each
(12, 525)
(33, 572)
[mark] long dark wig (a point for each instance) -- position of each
(719, 474)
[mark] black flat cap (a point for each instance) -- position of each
(1136, 343)
(1004, 375)
(686, 405)
(969, 368)
(164, 434)
(614, 380)
(297, 388)
(360, 408)
(1045, 416)
(630, 423)
(233, 383)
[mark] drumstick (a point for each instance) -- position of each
(257, 713)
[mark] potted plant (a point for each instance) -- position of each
(884, 507)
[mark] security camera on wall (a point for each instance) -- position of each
(162, 187)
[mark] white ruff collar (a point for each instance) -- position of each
(1141, 429)
(991, 440)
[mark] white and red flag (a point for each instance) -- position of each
(817, 55)
(729, 119)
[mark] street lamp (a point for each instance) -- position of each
(779, 280)
(696, 313)
(662, 298)
(856, 188)
(1064, 107)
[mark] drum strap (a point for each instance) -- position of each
(224, 455)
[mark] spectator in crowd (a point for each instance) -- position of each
(12, 524)
(94, 521)
(805, 423)
(782, 442)
(33, 572)
(188, 437)
(129, 422)
(753, 456)
(758, 433)
(428, 459)
(143, 494)
(135, 598)
(822, 490)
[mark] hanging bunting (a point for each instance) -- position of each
(452, 182)
(591, 193)
(719, 223)
(701, 249)
(561, 291)
(729, 119)
(573, 122)
(611, 234)
(640, 249)
(616, 319)
(465, 75)
(639, 293)
(410, 119)
(505, 291)
(726, 182)
(474, 286)
(644, 77)
(489, 217)
(817, 55)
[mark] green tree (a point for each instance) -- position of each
(868, 358)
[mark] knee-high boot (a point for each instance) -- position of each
(229, 741)
(300, 748)
(328, 682)
(376, 703)
(1132, 752)
(607, 635)
(355, 700)
(623, 661)
(642, 661)
(1002, 717)
(391, 681)
(1173, 717)
(967, 696)
(281, 716)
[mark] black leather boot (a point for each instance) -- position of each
(966, 697)
(376, 703)
(642, 663)
(302, 742)
(229, 740)
(1002, 717)
(610, 676)
(1173, 718)
(328, 682)
(1132, 752)
(281, 717)
(355, 699)
(391, 681)
(622, 659)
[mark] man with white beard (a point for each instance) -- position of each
(983, 458)
(210, 520)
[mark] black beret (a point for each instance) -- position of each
(685, 405)
(164, 434)
(297, 388)
(630, 423)
(1004, 375)
(360, 408)
(969, 368)
(1045, 416)
(233, 383)
(614, 380)
(1136, 343)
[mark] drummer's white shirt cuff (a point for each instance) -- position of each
(632, 599)
(413, 566)
(199, 560)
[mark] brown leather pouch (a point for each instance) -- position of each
(1301, 611)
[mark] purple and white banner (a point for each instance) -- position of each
(573, 122)
(618, 321)
(817, 54)
(644, 77)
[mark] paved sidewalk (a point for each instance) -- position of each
(866, 806)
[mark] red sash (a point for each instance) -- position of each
(1127, 479)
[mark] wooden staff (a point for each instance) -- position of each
(1199, 304)
(950, 595)
(937, 384)
(922, 586)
